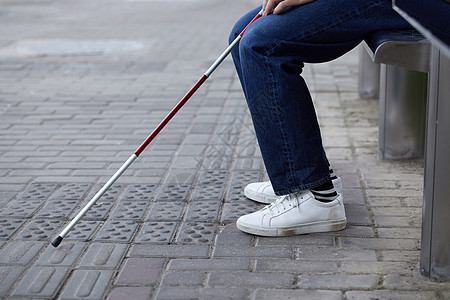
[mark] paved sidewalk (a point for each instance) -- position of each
(82, 83)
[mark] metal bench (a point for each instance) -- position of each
(393, 67)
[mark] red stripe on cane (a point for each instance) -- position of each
(254, 19)
(170, 115)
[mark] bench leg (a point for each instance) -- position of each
(402, 113)
(435, 248)
(369, 75)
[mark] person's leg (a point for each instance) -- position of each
(269, 60)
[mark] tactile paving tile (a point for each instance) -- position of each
(156, 232)
(117, 231)
(238, 182)
(166, 211)
(38, 191)
(211, 185)
(99, 211)
(203, 211)
(233, 210)
(39, 229)
(139, 192)
(196, 232)
(174, 191)
(21, 208)
(58, 209)
(83, 230)
(9, 227)
(130, 210)
(72, 191)
(112, 194)
(248, 163)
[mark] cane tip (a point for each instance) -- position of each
(57, 241)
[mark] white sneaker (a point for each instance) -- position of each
(262, 192)
(298, 213)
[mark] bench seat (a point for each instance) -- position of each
(394, 69)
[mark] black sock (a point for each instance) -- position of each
(324, 192)
(332, 175)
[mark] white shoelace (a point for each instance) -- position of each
(282, 203)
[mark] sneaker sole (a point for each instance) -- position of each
(324, 226)
(259, 197)
(267, 199)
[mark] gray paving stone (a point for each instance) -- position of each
(357, 215)
(166, 211)
(39, 229)
(99, 211)
(83, 230)
(211, 185)
(196, 232)
(189, 278)
(8, 276)
(314, 253)
(6, 197)
(140, 271)
(8, 227)
(390, 294)
(264, 294)
(156, 232)
(249, 279)
(218, 293)
(41, 281)
(296, 266)
(139, 192)
(64, 256)
(59, 209)
(406, 255)
(21, 208)
(132, 292)
(130, 210)
(117, 231)
(234, 239)
(252, 251)
(173, 192)
(203, 211)
(239, 180)
(20, 252)
(412, 282)
(114, 193)
(248, 163)
(87, 284)
(209, 264)
(102, 255)
(338, 281)
(301, 240)
(38, 191)
(170, 251)
(71, 191)
(379, 267)
(380, 243)
(242, 206)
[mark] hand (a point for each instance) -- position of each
(279, 5)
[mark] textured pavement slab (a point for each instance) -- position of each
(82, 83)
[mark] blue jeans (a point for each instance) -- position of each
(269, 60)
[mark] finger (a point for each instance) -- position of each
(288, 3)
(269, 6)
(264, 5)
(279, 8)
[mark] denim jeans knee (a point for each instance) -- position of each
(269, 62)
